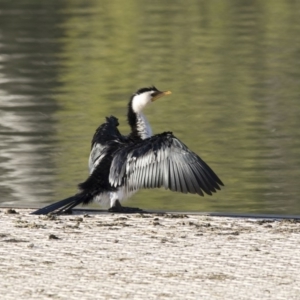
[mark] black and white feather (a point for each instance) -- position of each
(162, 161)
(121, 165)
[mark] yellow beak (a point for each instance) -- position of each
(161, 94)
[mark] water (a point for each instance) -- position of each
(233, 68)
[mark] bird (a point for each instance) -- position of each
(121, 165)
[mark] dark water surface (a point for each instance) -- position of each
(233, 68)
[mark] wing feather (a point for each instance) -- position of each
(177, 177)
(182, 178)
(200, 179)
(172, 179)
(162, 160)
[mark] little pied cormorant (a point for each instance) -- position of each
(121, 165)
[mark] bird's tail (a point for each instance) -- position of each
(62, 206)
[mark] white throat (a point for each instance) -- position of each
(143, 126)
(139, 102)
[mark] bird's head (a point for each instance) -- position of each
(144, 96)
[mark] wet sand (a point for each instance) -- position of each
(147, 256)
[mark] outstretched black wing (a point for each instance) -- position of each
(104, 135)
(107, 131)
(104, 143)
(162, 160)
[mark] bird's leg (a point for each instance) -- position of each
(117, 207)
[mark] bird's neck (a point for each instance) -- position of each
(140, 127)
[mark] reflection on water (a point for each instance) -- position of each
(233, 68)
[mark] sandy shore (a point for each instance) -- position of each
(147, 256)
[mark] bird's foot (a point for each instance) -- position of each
(122, 209)
(66, 212)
